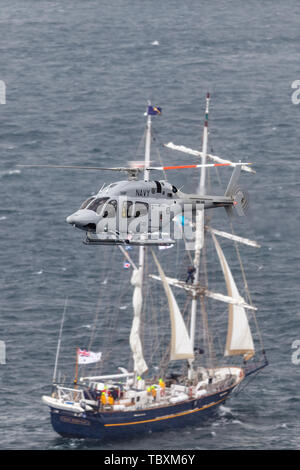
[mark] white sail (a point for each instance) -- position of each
(140, 365)
(181, 345)
(239, 338)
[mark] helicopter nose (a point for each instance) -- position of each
(70, 219)
(83, 219)
(73, 219)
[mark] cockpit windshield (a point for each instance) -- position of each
(97, 204)
(86, 202)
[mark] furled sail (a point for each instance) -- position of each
(246, 241)
(197, 289)
(140, 365)
(239, 338)
(181, 345)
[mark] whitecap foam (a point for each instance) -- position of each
(10, 172)
(223, 410)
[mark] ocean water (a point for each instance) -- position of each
(78, 76)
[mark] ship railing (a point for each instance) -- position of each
(69, 394)
(107, 377)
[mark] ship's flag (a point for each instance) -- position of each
(88, 357)
(126, 265)
(154, 110)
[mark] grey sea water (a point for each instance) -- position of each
(78, 76)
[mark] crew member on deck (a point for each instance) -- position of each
(111, 400)
(103, 398)
(153, 392)
(162, 386)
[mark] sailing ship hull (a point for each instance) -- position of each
(119, 425)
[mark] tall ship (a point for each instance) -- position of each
(199, 361)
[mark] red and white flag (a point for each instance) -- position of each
(88, 357)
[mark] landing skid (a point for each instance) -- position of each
(134, 241)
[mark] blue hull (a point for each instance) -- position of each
(125, 424)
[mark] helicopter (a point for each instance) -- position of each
(140, 212)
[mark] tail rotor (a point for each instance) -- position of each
(239, 195)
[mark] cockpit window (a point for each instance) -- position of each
(140, 209)
(137, 209)
(110, 209)
(97, 204)
(86, 202)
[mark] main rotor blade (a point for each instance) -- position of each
(135, 169)
(179, 167)
(80, 167)
(196, 153)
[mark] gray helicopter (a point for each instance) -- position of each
(141, 212)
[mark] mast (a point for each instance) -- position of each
(204, 148)
(140, 365)
(199, 234)
(146, 178)
(59, 342)
(147, 145)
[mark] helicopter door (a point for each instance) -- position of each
(159, 218)
(127, 215)
(108, 215)
(110, 209)
(138, 215)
